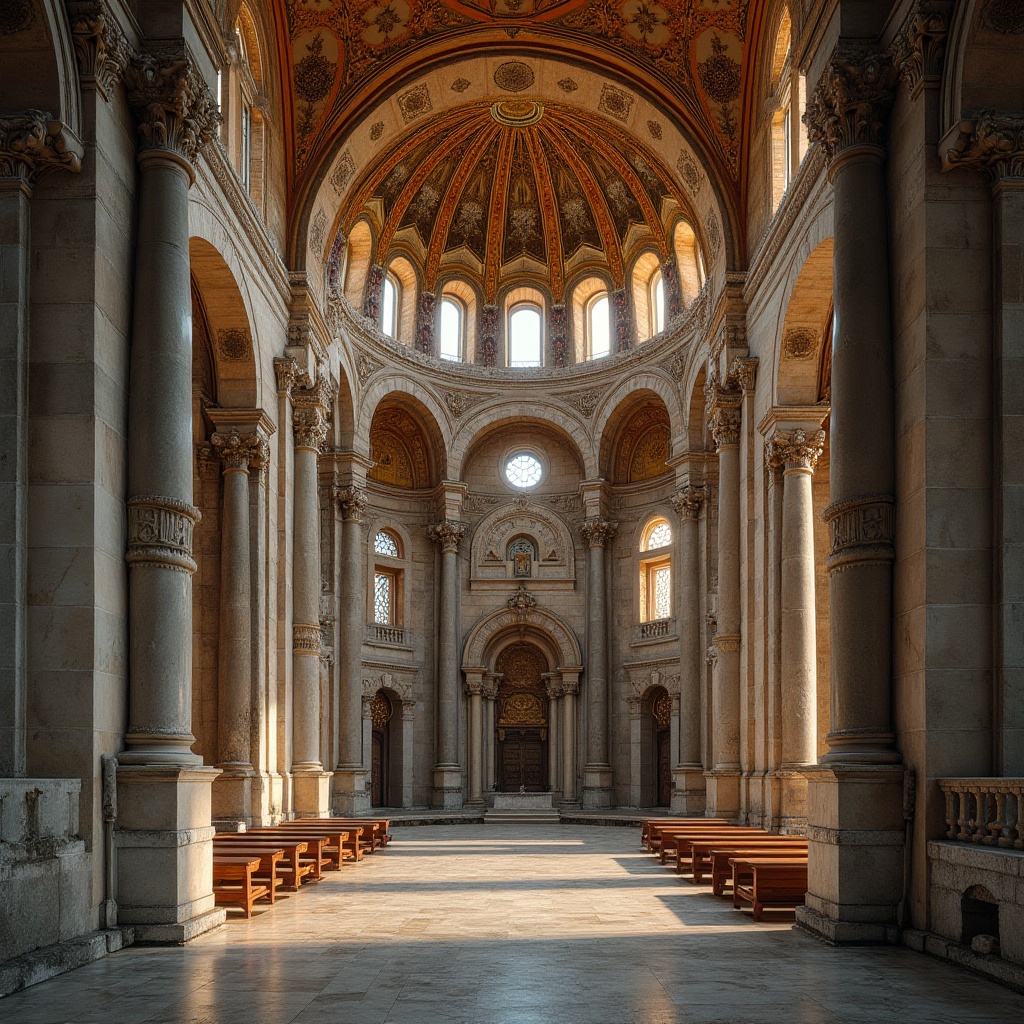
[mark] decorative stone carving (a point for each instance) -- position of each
(425, 323)
(726, 417)
(448, 534)
(861, 530)
(687, 502)
(310, 427)
(241, 451)
(597, 531)
(288, 375)
(742, 373)
(800, 342)
(920, 46)
(850, 106)
(171, 103)
(351, 502)
(992, 144)
(794, 448)
(101, 49)
(32, 144)
(521, 603)
(559, 325)
(522, 519)
(374, 290)
(306, 639)
(366, 366)
(459, 402)
(234, 344)
(160, 532)
(402, 688)
(585, 402)
(489, 318)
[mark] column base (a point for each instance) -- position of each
(689, 791)
(311, 794)
(164, 846)
(349, 798)
(232, 798)
(723, 793)
(856, 834)
(447, 787)
(597, 786)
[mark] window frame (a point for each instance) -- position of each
(588, 321)
(460, 306)
(393, 566)
(523, 305)
(650, 563)
(396, 284)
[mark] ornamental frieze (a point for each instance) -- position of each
(861, 531)
(306, 640)
(160, 533)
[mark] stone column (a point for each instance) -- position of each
(636, 750)
(408, 717)
(723, 778)
(232, 791)
(797, 451)
(570, 688)
(366, 737)
(490, 748)
(688, 784)
(310, 781)
(447, 770)
(597, 774)
(474, 690)
(350, 794)
(30, 145)
(554, 689)
(855, 799)
(164, 793)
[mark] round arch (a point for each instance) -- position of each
(649, 380)
(617, 419)
(501, 628)
(432, 415)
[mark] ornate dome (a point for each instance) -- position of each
(517, 191)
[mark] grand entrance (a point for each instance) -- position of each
(521, 722)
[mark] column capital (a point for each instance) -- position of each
(289, 376)
(688, 501)
(570, 687)
(351, 502)
(726, 417)
(310, 428)
(794, 449)
(474, 687)
(173, 108)
(742, 374)
(160, 533)
(850, 107)
(101, 50)
(241, 451)
(597, 531)
(33, 143)
(447, 533)
(554, 687)
(992, 144)
(919, 49)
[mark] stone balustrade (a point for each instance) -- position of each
(655, 629)
(377, 634)
(989, 811)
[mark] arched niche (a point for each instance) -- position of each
(406, 452)
(553, 561)
(508, 625)
(637, 440)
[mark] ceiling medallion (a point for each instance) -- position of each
(514, 76)
(517, 113)
(519, 10)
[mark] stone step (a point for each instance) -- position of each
(526, 817)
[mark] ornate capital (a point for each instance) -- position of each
(688, 501)
(861, 531)
(992, 144)
(742, 374)
(171, 103)
(920, 46)
(160, 533)
(241, 451)
(31, 144)
(306, 640)
(726, 418)
(795, 449)
(850, 106)
(521, 603)
(310, 428)
(597, 531)
(448, 534)
(101, 49)
(474, 687)
(289, 376)
(570, 687)
(351, 503)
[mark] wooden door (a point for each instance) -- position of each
(664, 746)
(522, 761)
(378, 771)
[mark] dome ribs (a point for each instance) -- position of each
(496, 216)
(552, 229)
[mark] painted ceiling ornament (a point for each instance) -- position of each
(615, 102)
(519, 10)
(655, 129)
(415, 103)
(376, 130)
(646, 22)
(800, 342)
(1005, 17)
(567, 85)
(386, 22)
(16, 16)
(517, 113)
(461, 84)
(690, 173)
(233, 343)
(343, 173)
(514, 76)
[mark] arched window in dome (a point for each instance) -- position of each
(648, 296)
(591, 319)
(398, 301)
(245, 125)
(390, 306)
(787, 94)
(457, 342)
(525, 328)
(599, 334)
(690, 261)
(655, 576)
(359, 252)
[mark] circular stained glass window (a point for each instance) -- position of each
(523, 470)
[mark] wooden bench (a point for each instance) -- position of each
(328, 837)
(677, 844)
(653, 828)
(775, 883)
(315, 843)
(293, 868)
(700, 851)
(270, 872)
(380, 835)
(723, 872)
(360, 834)
(233, 882)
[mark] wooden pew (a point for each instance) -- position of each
(315, 843)
(677, 844)
(381, 836)
(699, 858)
(774, 883)
(662, 837)
(295, 866)
(360, 834)
(722, 867)
(270, 872)
(233, 883)
(331, 839)
(652, 828)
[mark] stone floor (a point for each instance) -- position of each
(492, 924)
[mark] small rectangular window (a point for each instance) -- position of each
(384, 598)
(246, 154)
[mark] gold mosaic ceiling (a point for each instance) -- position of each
(345, 52)
(501, 188)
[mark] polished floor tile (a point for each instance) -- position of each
(476, 924)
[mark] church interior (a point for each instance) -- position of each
(424, 408)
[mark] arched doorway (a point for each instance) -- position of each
(381, 713)
(521, 723)
(661, 715)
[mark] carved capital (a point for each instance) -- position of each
(794, 449)
(474, 687)
(570, 687)
(289, 376)
(920, 46)
(32, 144)
(861, 531)
(726, 418)
(160, 533)
(992, 144)
(448, 534)
(597, 531)
(310, 428)
(351, 503)
(101, 50)
(173, 108)
(241, 451)
(306, 639)
(850, 106)
(742, 375)
(688, 501)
